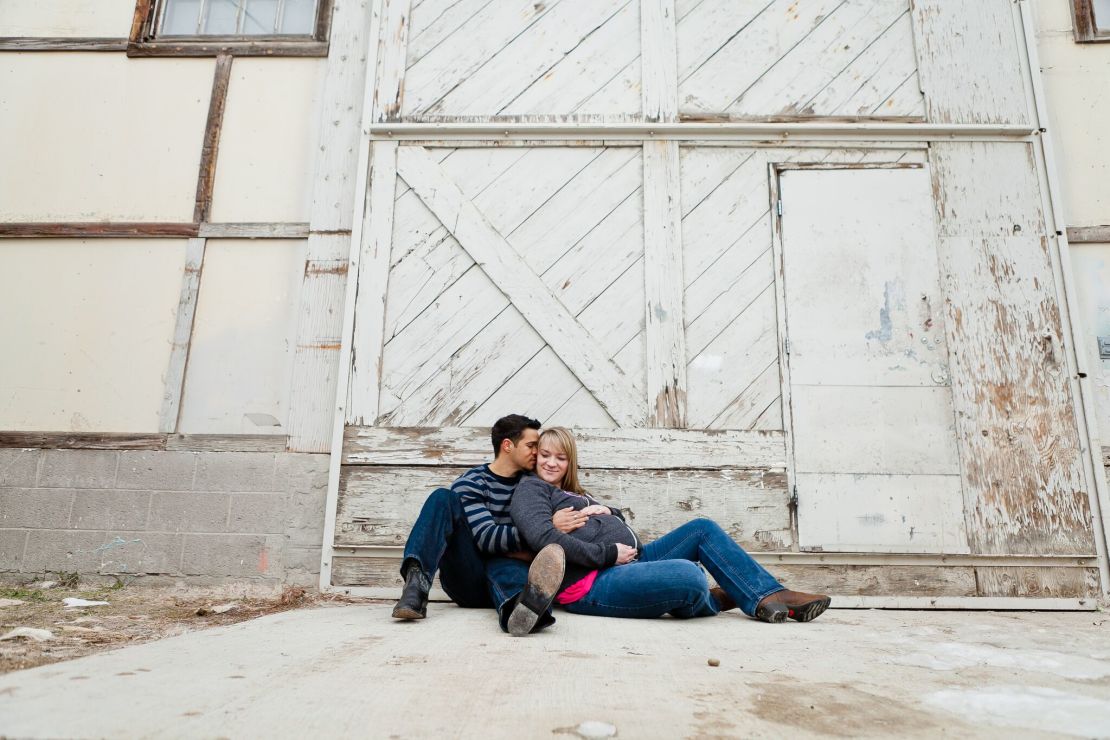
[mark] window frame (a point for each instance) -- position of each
(143, 42)
(1086, 27)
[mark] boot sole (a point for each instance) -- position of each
(774, 614)
(810, 610)
(545, 575)
(400, 612)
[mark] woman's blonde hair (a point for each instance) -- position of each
(563, 440)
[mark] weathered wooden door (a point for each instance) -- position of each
(551, 281)
(872, 429)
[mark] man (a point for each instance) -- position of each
(467, 534)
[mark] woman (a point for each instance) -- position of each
(610, 573)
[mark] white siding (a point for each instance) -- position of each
(99, 137)
(49, 18)
(87, 332)
(241, 354)
(265, 164)
(1091, 264)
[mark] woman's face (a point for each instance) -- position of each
(551, 465)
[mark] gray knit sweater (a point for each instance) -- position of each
(590, 547)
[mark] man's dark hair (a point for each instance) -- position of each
(510, 427)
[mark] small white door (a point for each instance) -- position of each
(875, 463)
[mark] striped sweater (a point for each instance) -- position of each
(485, 498)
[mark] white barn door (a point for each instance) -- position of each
(875, 463)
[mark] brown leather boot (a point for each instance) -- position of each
(800, 606)
(724, 601)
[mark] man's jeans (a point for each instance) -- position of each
(667, 580)
(441, 539)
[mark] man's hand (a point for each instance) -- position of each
(525, 555)
(595, 510)
(625, 554)
(567, 520)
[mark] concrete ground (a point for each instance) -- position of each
(350, 671)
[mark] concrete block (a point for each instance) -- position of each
(299, 472)
(303, 559)
(12, 544)
(19, 468)
(258, 513)
(305, 518)
(234, 471)
(238, 555)
(156, 470)
(143, 552)
(188, 511)
(78, 469)
(63, 551)
(102, 552)
(125, 510)
(39, 508)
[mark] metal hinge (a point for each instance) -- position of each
(786, 345)
(794, 497)
(778, 207)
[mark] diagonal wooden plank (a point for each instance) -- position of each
(521, 285)
(182, 336)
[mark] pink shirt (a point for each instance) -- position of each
(577, 590)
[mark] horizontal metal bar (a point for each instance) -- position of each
(811, 558)
(732, 130)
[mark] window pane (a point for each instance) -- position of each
(221, 18)
(260, 17)
(299, 17)
(1102, 15)
(181, 17)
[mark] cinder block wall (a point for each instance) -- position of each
(193, 517)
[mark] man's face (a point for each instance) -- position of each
(523, 453)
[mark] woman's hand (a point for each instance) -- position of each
(625, 554)
(567, 520)
(595, 510)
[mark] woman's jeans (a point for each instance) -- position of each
(667, 580)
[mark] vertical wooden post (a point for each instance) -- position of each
(206, 179)
(393, 44)
(182, 337)
(372, 281)
(663, 278)
(315, 363)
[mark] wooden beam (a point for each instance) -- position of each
(664, 287)
(61, 43)
(1089, 234)
(579, 350)
(373, 279)
(206, 178)
(254, 231)
(95, 230)
(141, 21)
(139, 230)
(182, 337)
(617, 449)
(307, 48)
(392, 52)
(658, 60)
(108, 441)
(312, 393)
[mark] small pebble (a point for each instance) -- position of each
(714, 662)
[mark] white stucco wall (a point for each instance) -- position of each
(1077, 86)
(66, 18)
(100, 137)
(87, 332)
